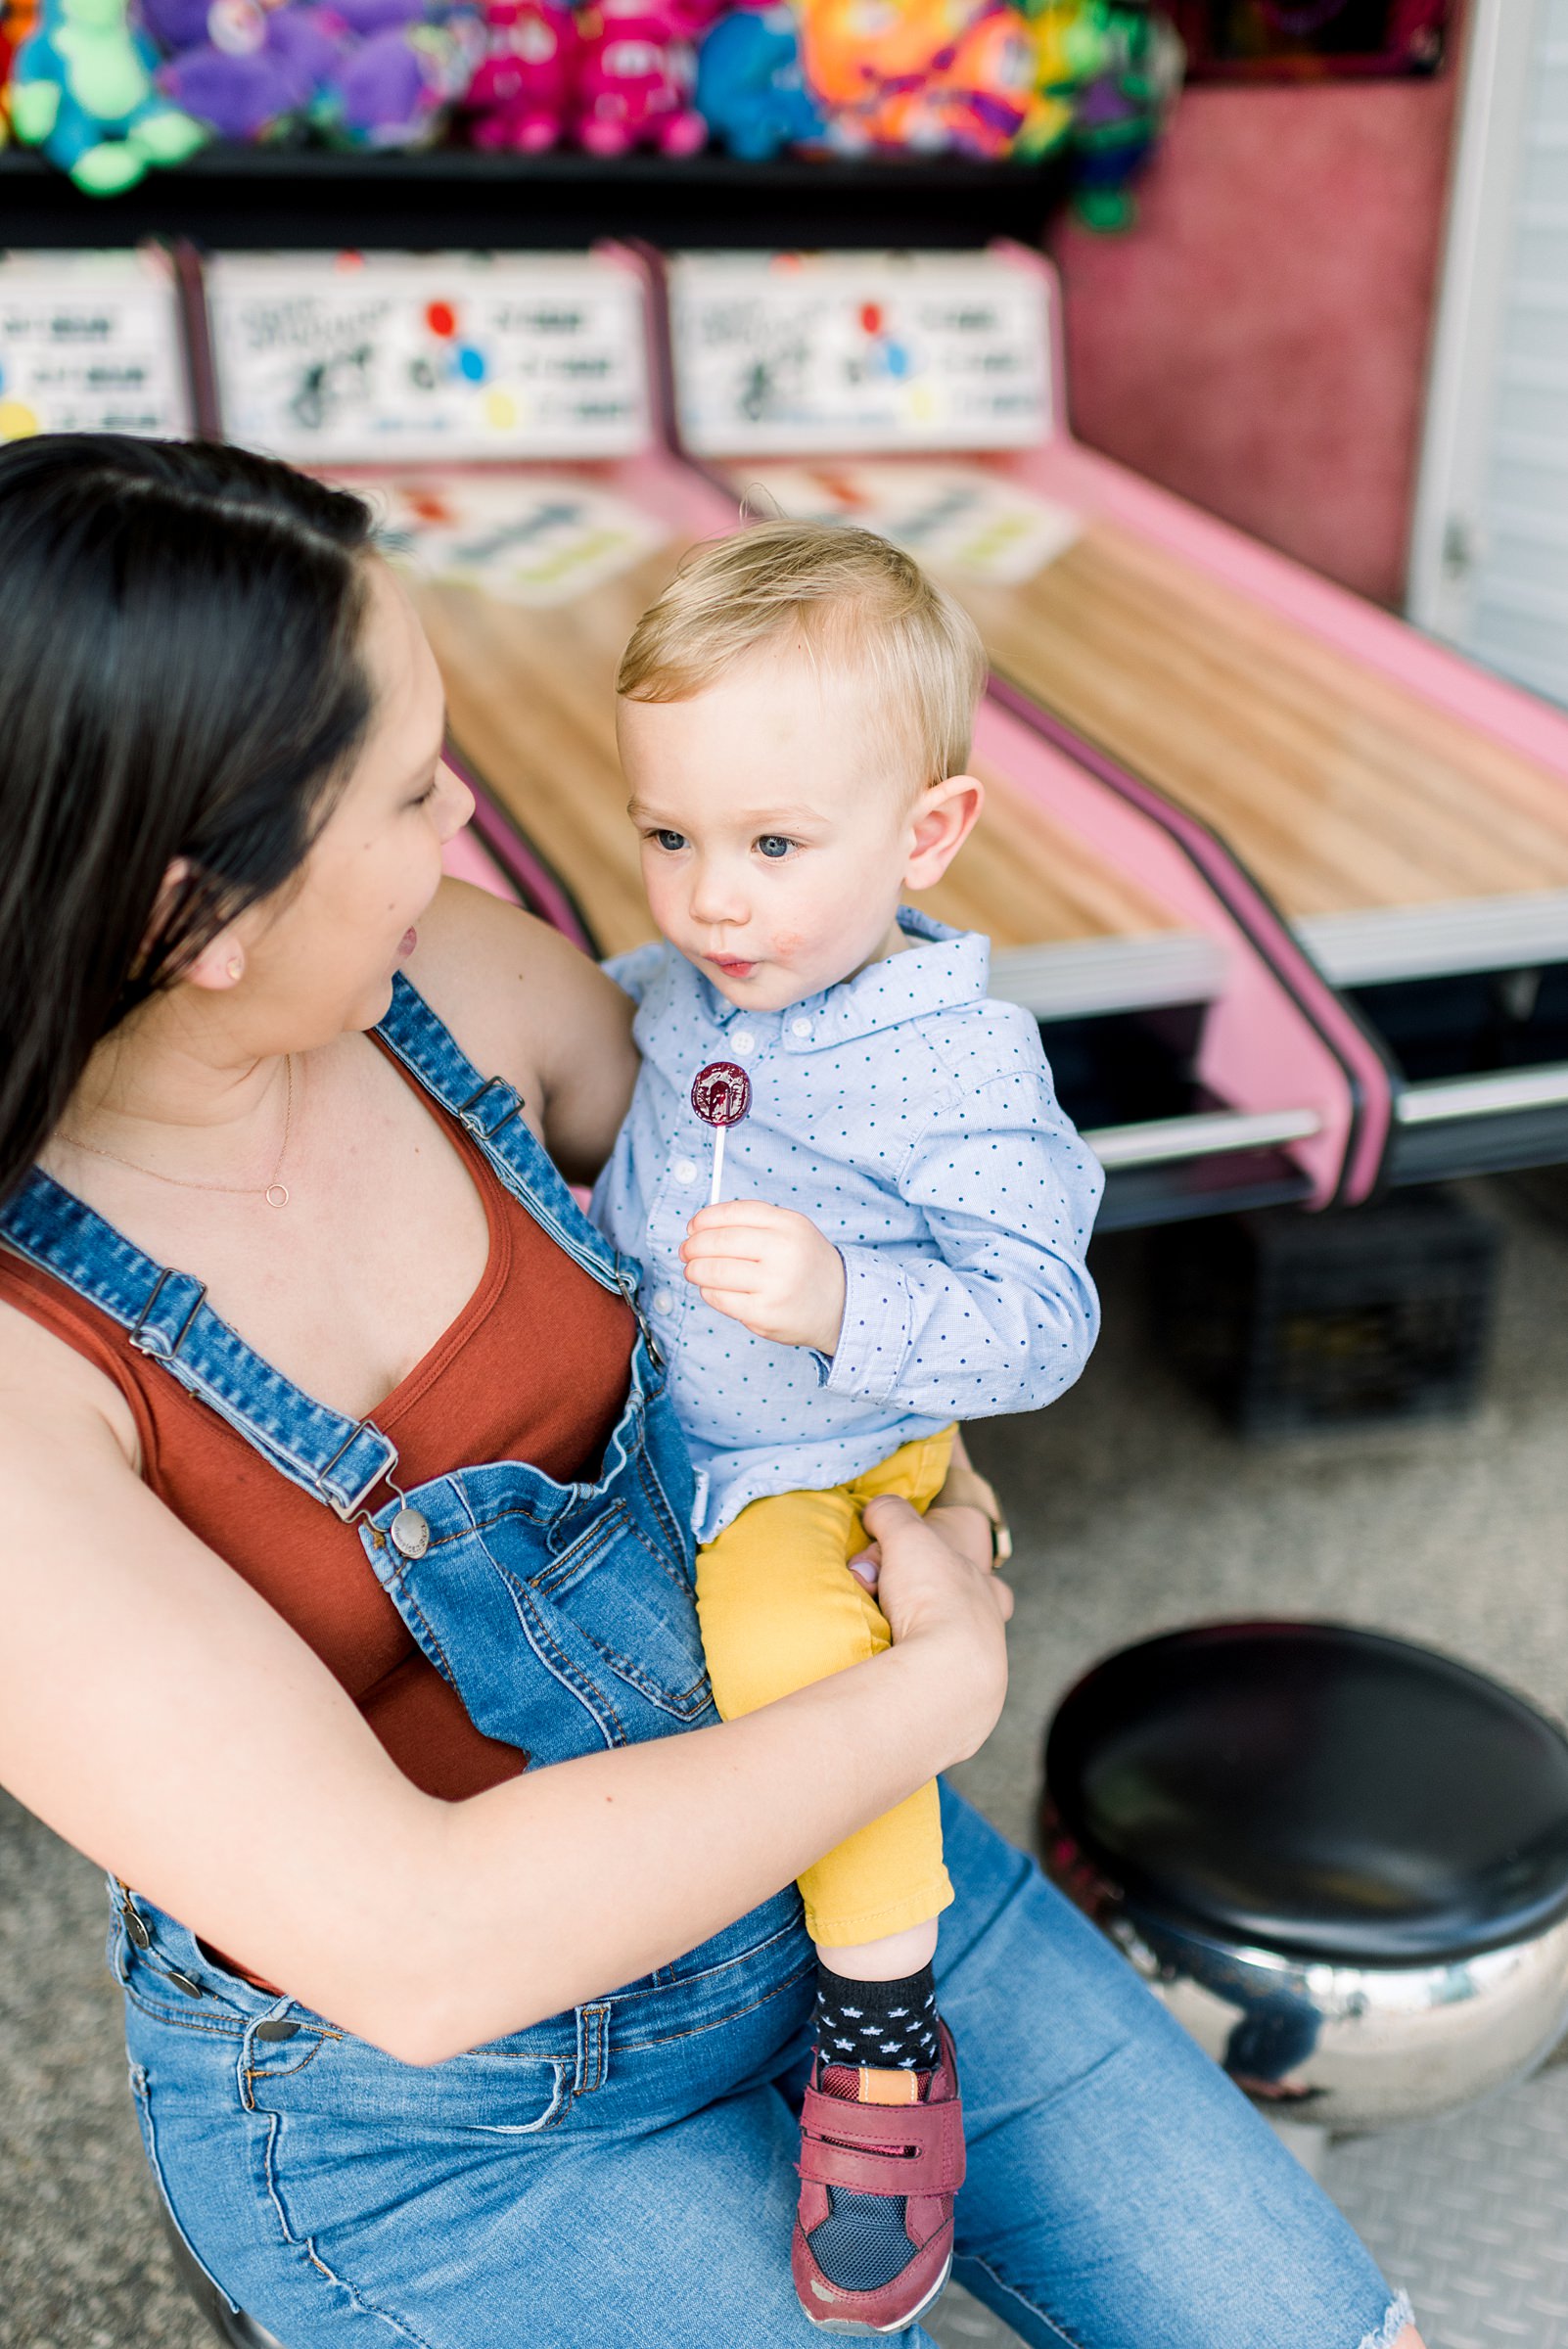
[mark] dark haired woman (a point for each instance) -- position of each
(340, 1488)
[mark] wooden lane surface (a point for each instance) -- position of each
(1341, 790)
(530, 700)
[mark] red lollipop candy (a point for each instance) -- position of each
(721, 1095)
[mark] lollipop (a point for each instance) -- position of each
(721, 1095)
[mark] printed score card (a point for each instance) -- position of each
(961, 521)
(523, 537)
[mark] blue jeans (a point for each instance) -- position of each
(625, 2176)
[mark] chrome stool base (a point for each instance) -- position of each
(1344, 2049)
(1340, 1860)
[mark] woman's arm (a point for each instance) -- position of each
(533, 1008)
(161, 1716)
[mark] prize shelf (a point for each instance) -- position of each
(304, 198)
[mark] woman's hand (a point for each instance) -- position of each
(945, 1608)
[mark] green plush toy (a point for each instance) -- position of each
(83, 89)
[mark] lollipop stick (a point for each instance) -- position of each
(719, 1132)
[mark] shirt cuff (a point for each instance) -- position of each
(875, 1332)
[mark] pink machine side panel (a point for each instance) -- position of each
(1258, 1051)
(464, 858)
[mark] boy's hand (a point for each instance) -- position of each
(769, 1267)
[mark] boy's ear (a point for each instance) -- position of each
(943, 820)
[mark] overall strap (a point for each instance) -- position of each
(490, 1110)
(336, 1460)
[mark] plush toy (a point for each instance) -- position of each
(857, 53)
(931, 75)
(245, 70)
(1121, 109)
(402, 67)
(15, 23)
(1067, 53)
(637, 76)
(750, 89)
(521, 89)
(83, 89)
(977, 94)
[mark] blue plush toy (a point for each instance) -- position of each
(750, 85)
(83, 89)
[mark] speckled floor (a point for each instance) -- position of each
(1134, 1512)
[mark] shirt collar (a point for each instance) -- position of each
(940, 970)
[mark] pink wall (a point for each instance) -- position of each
(1258, 342)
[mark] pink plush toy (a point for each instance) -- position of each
(520, 92)
(636, 76)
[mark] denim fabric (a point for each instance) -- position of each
(913, 1121)
(621, 2174)
(625, 2176)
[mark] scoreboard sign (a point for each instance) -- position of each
(91, 342)
(783, 355)
(355, 359)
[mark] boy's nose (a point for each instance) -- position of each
(716, 902)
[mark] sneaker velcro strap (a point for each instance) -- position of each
(882, 2149)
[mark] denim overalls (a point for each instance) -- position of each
(623, 2174)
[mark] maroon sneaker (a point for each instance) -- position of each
(873, 2233)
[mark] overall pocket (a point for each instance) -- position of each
(623, 1605)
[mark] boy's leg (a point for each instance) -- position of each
(779, 1608)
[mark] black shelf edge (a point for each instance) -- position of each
(303, 198)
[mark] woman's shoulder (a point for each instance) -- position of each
(61, 1374)
(500, 978)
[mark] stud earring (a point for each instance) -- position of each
(236, 965)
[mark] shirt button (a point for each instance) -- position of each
(684, 1169)
(800, 1028)
(663, 1300)
(742, 1039)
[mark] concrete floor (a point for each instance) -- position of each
(1134, 1509)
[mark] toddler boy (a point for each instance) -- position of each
(903, 1246)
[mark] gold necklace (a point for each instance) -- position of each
(274, 1192)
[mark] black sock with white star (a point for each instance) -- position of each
(882, 2026)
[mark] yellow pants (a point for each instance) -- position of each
(779, 1608)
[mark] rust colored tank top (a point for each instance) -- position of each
(535, 1368)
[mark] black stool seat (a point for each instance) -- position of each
(1320, 1791)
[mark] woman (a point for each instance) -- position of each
(339, 1480)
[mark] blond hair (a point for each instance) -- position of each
(856, 604)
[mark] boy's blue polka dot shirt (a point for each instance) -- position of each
(914, 1121)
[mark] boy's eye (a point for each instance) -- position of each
(670, 840)
(774, 845)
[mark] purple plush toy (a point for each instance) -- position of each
(245, 70)
(402, 65)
